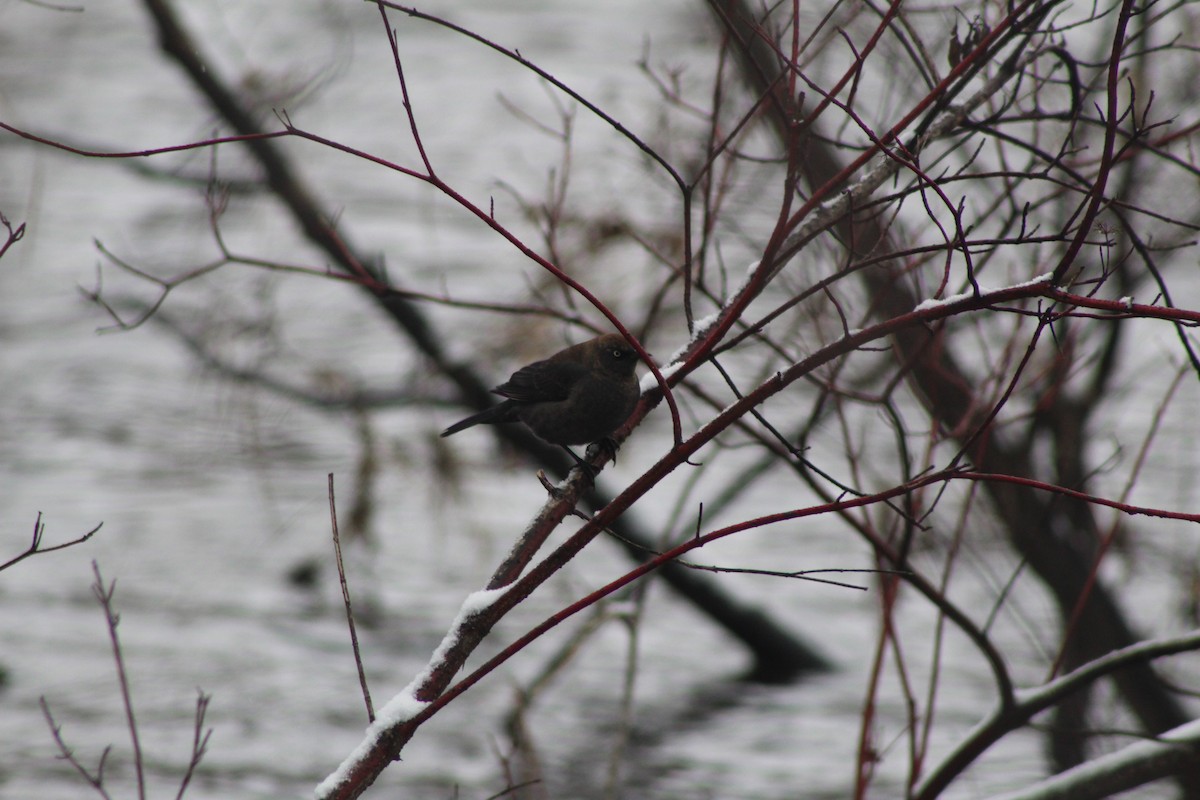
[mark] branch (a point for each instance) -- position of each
(96, 779)
(428, 692)
(105, 595)
(35, 546)
(1162, 756)
(13, 235)
(200, 737)
(1032, 702)
(341, 568)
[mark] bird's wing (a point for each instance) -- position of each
(542, 381)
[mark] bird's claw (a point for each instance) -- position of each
(590, 470)
(607, 445)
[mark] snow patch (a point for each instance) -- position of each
(405, 705)
(926, 305)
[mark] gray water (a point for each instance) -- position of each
(211, 492)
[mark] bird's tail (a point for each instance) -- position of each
(501, 412)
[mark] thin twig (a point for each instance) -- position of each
(337, 550)
(35, 546)
(200, 739)
(96, 781)
(105, 595)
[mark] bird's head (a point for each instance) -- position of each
(613, 354)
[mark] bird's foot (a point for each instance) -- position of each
(607, 445)
(591, 470)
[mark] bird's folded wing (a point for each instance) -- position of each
(542, 382)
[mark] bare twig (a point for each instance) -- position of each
(105, 595)
(337, 551)
(200, 739)
(35, 547)
(94, 779)
(13, 235)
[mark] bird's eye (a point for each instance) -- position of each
(617, 353)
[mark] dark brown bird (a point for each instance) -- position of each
(576, 396)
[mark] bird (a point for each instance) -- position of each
(577, 396)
